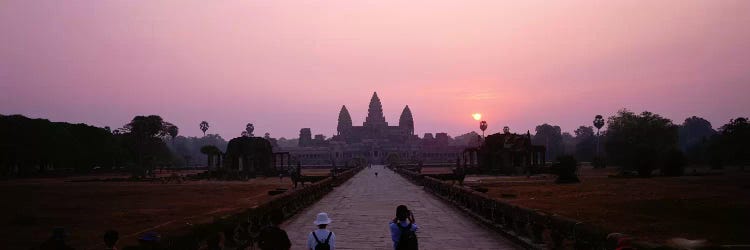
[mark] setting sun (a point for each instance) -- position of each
(477, 116)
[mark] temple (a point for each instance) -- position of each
(380, 143)
(375, 141)
(375, 127)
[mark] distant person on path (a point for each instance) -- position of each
(321, 239)
(376, 174)
(403, 230)
(56, 241)
(273, 237)
(110, 239)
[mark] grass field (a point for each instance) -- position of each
(713, 207)
(33, 207)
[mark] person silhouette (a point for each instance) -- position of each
(403, 229)
(273, 237)
(321, 238)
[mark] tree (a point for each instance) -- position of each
(732, 145)
(147, 126)
(694, 135)
(598, 123)
(569, 143)
(693, 130)
(640, 142)
(249, 128)
(585, 143)
(172, 130)
(204, 126)
(551, 137)
(142, 136)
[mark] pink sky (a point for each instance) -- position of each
(284, 65)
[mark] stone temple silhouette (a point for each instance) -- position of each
(374, 141)
(375, 126)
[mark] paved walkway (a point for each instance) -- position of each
(362, 207)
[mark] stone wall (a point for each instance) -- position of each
(241, 229)
(531, 228)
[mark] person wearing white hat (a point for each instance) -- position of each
(321, 238)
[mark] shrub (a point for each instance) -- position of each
(566, 169)
(674, 163)
(599, 162)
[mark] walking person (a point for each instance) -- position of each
(273, 237)
(403, 230)
(321, 238)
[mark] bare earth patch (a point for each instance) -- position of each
(714, 207)
(32, 208)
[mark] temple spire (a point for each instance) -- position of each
(375, 112)
(345, 121)
(407, 121)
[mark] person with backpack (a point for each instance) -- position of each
(403, 230)
(321, 238)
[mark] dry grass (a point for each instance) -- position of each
(31, 208)
(710, 207)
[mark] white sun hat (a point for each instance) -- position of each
(321, 219)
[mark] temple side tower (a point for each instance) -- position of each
(345, 121)
(406, 121)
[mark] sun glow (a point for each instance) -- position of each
(477, 116)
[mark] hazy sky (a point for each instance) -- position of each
(284, 65)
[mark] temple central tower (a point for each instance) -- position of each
(375, 116)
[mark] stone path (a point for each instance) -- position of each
(362, 207)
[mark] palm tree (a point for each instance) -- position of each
(598, 123)
(249, 128)
(173, 131)
(204, 127)
(483, 127)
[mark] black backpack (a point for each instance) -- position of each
(322, 245)
(408, 239)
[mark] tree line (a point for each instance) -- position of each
(31, 147)
(646, 142)
(637, 142)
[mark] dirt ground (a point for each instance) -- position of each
(33, 207)
(713, 207)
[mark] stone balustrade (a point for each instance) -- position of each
(242, 229)
(531, 228)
